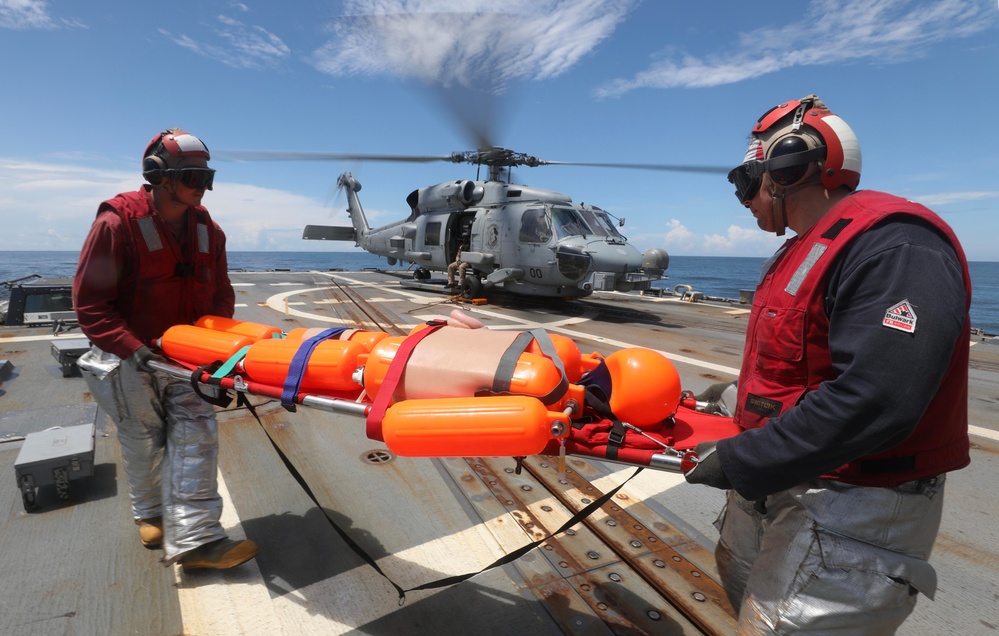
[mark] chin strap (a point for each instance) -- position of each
(779, 218)
(779, 193)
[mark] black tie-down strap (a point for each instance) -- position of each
(221, 399)
(450, 580)
(516, 554)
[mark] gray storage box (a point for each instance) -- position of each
(66, 353)
(54, 457)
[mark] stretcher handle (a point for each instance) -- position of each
(665, 462)
(333, 405)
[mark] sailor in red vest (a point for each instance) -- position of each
(852, 394)
(154, 258)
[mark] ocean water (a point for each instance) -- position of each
(717, 276)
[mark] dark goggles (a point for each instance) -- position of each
(748, 177)
(193, 178)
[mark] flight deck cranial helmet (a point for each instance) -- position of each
(175, 154)
(788, 139)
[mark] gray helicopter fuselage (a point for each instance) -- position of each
(526, 240)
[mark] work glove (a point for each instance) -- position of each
(143, 356)
(708, 469)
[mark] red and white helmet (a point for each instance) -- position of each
(167, 151)
(804, 124)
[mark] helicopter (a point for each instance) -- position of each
(524, 240)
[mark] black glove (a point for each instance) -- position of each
(708, 470)
(143, 356)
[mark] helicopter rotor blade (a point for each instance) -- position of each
(643, 166)
(281, 155)
(493, 156)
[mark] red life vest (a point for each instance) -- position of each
(163, 283)
(787, 347)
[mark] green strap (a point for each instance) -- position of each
(230, 364)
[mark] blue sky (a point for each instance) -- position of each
(87, 84)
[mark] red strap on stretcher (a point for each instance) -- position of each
(396, 368)
(683, 432)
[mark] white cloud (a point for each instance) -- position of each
(677, 235)
(831, 32)
(455, 42)
(682, 240)
(741, 241)
(51, 207)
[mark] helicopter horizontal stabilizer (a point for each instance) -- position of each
(328, 233)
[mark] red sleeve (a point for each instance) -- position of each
(95, 287)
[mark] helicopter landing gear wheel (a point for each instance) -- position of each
(421, 273)
(471, 287)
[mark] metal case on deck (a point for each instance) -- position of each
(56, 457)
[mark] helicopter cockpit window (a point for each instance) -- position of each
(568, 222)
(534, 226)
(601, 221)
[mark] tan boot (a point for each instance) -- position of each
(219, 555)
(151, 532)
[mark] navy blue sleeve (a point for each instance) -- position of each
(886, 377)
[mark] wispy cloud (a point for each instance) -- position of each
(831, 32)
(950, 198)
(452, 43)
(32, 14)
(243, 45)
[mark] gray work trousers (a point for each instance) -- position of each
(827, 557)
(169, 446)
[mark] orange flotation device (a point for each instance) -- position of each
(196, 346)
(253, 330)
(492, 426)
(329, 370)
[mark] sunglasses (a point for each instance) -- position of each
(748, 177)
(193, 178)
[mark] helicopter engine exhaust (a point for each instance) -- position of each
(471, 193)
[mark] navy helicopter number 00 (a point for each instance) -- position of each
(525, 240)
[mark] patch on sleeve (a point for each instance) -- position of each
(901, 317)
(762, 406)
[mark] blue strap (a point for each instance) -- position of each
(296, 370)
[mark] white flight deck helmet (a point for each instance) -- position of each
(787, 140)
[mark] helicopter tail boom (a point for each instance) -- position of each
(352, 186)
(328, 233)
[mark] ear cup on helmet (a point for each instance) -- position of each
(789, 145)
(152, 169)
